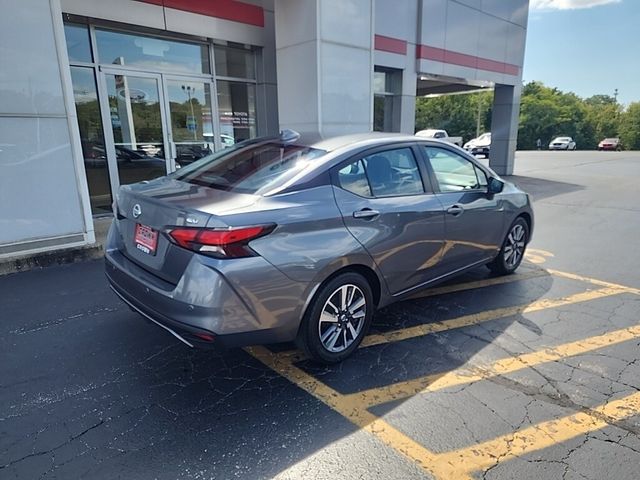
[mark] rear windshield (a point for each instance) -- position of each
(254, 168)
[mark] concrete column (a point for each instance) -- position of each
(408, 101)
(266, 87)
(324, 53)
(504, 128)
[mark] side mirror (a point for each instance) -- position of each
(495, 185)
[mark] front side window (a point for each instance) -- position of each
(253, 168)
(390, 173)
(453, 172)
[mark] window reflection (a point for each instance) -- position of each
(191, 119)
(234, 61)
(91, 138)
(78, 46)
(151, 53)
(137, 127)
(237, 109)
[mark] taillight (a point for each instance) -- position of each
(227, 243)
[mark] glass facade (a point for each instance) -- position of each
(237, 110)
(85, 95)
(162, 105)
(387, 85)
(191, 113)
(151, 53)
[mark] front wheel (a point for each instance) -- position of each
(513, 248)
(337, 318)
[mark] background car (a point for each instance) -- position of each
(610, 144)
(480, 145)
(562, 143)
(280, 239)
(439, 135)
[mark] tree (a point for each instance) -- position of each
(457, 114)
(630, 127)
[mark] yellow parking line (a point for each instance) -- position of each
(439, 381)
(472, 319)
(460, 463)
(353, 412)
(479, 283)
(485, 316)
(594, 281)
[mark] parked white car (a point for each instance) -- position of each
(439, 135)
(480, 145)
(562, 143)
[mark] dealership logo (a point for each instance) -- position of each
(137, 210)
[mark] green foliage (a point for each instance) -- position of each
(457, 114)
(630, 127)
(545, 113)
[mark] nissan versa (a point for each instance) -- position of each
(287, 238)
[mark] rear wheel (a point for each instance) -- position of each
(513, 248)
(337, 319)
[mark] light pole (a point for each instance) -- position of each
(191, 91)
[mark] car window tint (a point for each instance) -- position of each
(482, 177)
(453, 172)
(393, 172)
(352, 177)
(253, 168)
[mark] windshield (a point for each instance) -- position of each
(251, 168)
(563, 139)
(484, 136)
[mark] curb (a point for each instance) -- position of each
(47, 259)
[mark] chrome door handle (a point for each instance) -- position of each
(366, 213)
(455, 210)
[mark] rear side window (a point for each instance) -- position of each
(252, 168)
(453, 172)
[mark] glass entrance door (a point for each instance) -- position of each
(136, 140)
(192, 119)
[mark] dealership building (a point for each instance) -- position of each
(99, 93)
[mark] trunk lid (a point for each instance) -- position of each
(164, 203)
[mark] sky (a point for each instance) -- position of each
(585, 46)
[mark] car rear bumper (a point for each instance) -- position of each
(205, 308)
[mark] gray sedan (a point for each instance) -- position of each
(290, 238)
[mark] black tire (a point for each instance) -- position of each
(312, 328)
(504, 263)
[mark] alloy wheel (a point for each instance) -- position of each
(514, 248)
(342, 318)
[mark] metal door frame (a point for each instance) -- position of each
(105, 113)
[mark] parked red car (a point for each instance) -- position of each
(610, 144)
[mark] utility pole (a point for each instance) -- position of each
(478, 116)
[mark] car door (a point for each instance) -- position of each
(474, 219)
(387, 204)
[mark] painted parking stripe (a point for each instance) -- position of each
(467, 320)
(459, 464)
(594, 281)
(440, 381)
(352, 411)
(485, 316)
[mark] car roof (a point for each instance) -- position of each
(354, 140)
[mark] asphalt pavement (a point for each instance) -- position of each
(535, 375)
